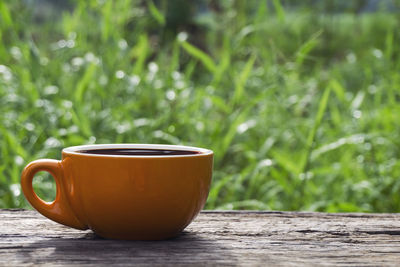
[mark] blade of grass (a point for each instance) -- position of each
(262, 11)
(175, 57)
(190, 68)
(84, 82)
(238, 118)
(232, 131)
(338, 89)
(242, 79)
(216, 189)
(205, 59)
(317, 122)
(285, 161)
(224, 63)
(80, 119)
(358, 100)
(279, 10)
(140, 52)
(389, 45)
(306, 48)
(352, 139)
(220, 103)
(157, 15)
(5, 15)
(107, 12)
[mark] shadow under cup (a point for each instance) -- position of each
(125, 191)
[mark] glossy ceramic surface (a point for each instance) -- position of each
(124, 197)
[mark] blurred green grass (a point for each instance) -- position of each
(301, 107)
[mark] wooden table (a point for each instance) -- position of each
(214, 238)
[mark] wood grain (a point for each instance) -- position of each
(214, 238)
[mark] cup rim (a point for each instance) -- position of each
(75, 150)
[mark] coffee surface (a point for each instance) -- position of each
(138, 152)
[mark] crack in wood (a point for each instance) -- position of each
(309, 231)
(11, 247)
(381, 232)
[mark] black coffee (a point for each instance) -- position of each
(138, 152)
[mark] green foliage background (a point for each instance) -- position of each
(300, 105)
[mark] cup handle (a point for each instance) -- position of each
(58, 210)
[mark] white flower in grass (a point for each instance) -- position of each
(15, 189)
(51, 90)
(199, 126)
(134, 80)
(122, 44)
(77, 61)
(182, 36)
(351, 58)
(265, 163)
(179, 84)
(377, 53)
(171, 95)
(153, 67)
(141, 122)
(90, 57)
(52, 142)
(18, 160)
(44, 61)
(70, 43)
(67, 104)
(243, 127)
(5, 72)
(122, 128)
(357, 114)
(119, 74)
(73, 129)
(29, 126)
(61, 44)
(16, 52)
(176, 75)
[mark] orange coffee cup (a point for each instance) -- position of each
(120, 196)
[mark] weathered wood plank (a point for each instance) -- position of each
(214, 238)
